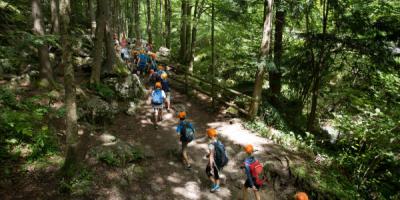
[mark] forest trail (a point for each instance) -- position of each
(165, 176)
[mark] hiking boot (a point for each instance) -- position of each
(216, 188)
(189, 167)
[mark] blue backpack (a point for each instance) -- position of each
(220, 157)
(157, 98)
(187, 132)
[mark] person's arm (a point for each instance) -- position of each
(249, 177)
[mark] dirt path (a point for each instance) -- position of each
(169, 178)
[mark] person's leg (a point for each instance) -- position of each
(160, 113)
(185, 157)
(155, 116)
(257, 195)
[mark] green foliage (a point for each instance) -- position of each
(80, 184)
(21, 123)
(104, 91)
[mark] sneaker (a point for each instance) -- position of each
(189, 166)
(215, 188)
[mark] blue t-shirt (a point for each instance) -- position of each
(165, 85)
(143, 59)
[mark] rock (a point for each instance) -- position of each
(131, 109)
(156, 187)
(107, 138)
(128, 87)
(96, 110)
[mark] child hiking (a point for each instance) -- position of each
(217, 159)
(157, 101)
(254, 173)
(186, 135)
(167, 90)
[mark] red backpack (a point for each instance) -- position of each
(256, 171)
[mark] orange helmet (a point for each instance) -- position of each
(301, 196)
(211, 132)
(181, 115)
(153, 55)
(160, 67)
(164, 75)
(158, 85)
(249, 148)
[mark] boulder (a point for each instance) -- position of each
(131, 109)
(96, 110)
(128, 87)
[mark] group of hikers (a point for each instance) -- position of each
(216, 154)
(143, 62)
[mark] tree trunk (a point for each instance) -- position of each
(92, 12)
(137, 22)
(196, 17)
(168, 11)
(183, 37)
(318, 69)
(46, 72)
(188, 31)
(161, 24)
(213, 93)
(276, 75)
(264, 53)
(73, 157)
(109, 42)
(55, 24)
(98, 42)
(150, 38)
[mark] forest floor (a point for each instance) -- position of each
(161, 175)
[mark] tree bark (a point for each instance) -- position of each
(264, 53)
(46, 72)
(150, 37)
(188, 31)
(137, 22)
(109, 42)
(55, 24)
(168, 11)
(183, 37)
(92, 12)
(98, 42)
(73, 157)
(198, 10)
(276, 75)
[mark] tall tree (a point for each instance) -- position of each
(73, 157)
(275, 74)
(98, 42)
(262, 59)
(183, 36)
(168, 11)
(92, 12)
(149, 34)
(198, 11)
(137, 21)
(46, 72)
(109, 42)
(55, 24)
(317, 68)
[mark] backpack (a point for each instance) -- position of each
(220, 158)
(165, 86)
(257, 171)
(157, 97)
(187, 133)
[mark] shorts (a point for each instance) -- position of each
(216, 172)
(156, 107)
(247, 184)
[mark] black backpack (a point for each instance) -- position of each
(220, 157)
